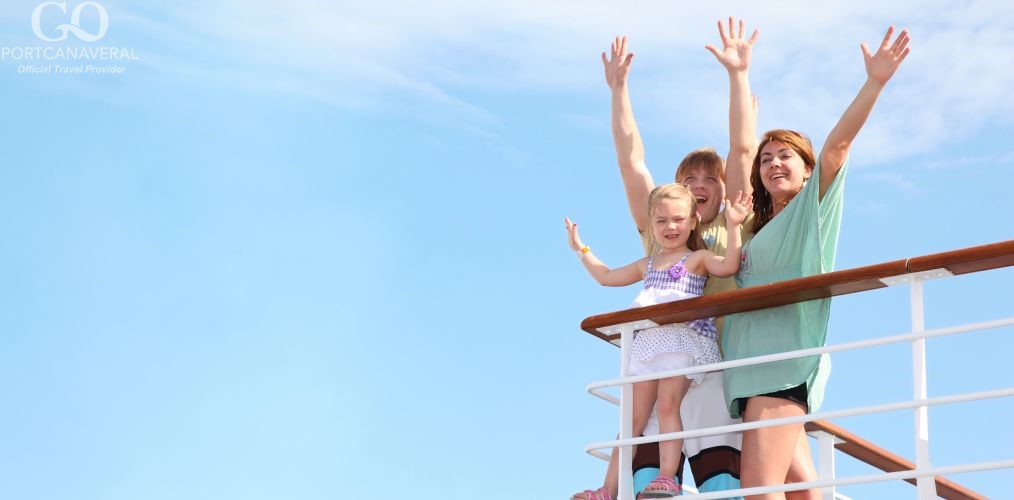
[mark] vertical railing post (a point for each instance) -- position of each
(625, 459)
(926, 485)
(626, 479)
(825, 457)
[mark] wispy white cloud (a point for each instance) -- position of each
(459, 60)
(868, 207)
(965, 160)
(955, 82)
(895, 180)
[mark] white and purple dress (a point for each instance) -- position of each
(679, 345)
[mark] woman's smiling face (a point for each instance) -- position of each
(782, 170)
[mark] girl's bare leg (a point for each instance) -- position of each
(670, 395)
(644, 400)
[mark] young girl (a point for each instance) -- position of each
(677, 271)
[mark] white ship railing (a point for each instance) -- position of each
(619, 327)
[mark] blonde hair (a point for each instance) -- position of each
(674, 192)
(707, 158)
(763, 206)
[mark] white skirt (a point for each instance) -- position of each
(671, 347)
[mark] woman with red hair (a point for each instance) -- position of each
(798, 201)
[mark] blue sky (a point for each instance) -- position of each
(315, 250)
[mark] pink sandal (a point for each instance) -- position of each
(662, 487)
(599, 494)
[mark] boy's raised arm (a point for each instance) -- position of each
(637, 181)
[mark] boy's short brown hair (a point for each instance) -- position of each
(704, 157)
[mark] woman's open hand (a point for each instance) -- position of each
(880, 67)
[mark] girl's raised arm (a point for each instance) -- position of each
(623, 276)
(736, 211)
(880, 67)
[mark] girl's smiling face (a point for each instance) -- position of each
(672, 223)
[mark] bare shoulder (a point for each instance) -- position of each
(642, 265)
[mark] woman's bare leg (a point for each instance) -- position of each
(802, 470)
(768, 453)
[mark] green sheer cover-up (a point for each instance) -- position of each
(800, 241)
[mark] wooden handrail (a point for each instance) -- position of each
(967, 260)
(886, 461)
(859, 279)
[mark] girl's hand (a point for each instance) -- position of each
(736, 212)
(617, 66)
(735, 54)
(880, 67)
(572, 236)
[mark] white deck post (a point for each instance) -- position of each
(626, 331)
(926, 486)
(626, 483)
(825, 457)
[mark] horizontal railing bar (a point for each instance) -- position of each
(845, 481)
(606, 396)
(966, 260)
(828, 415)
(767, 358)
(826, 285)
(887, 461)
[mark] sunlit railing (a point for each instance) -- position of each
(618, 327)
